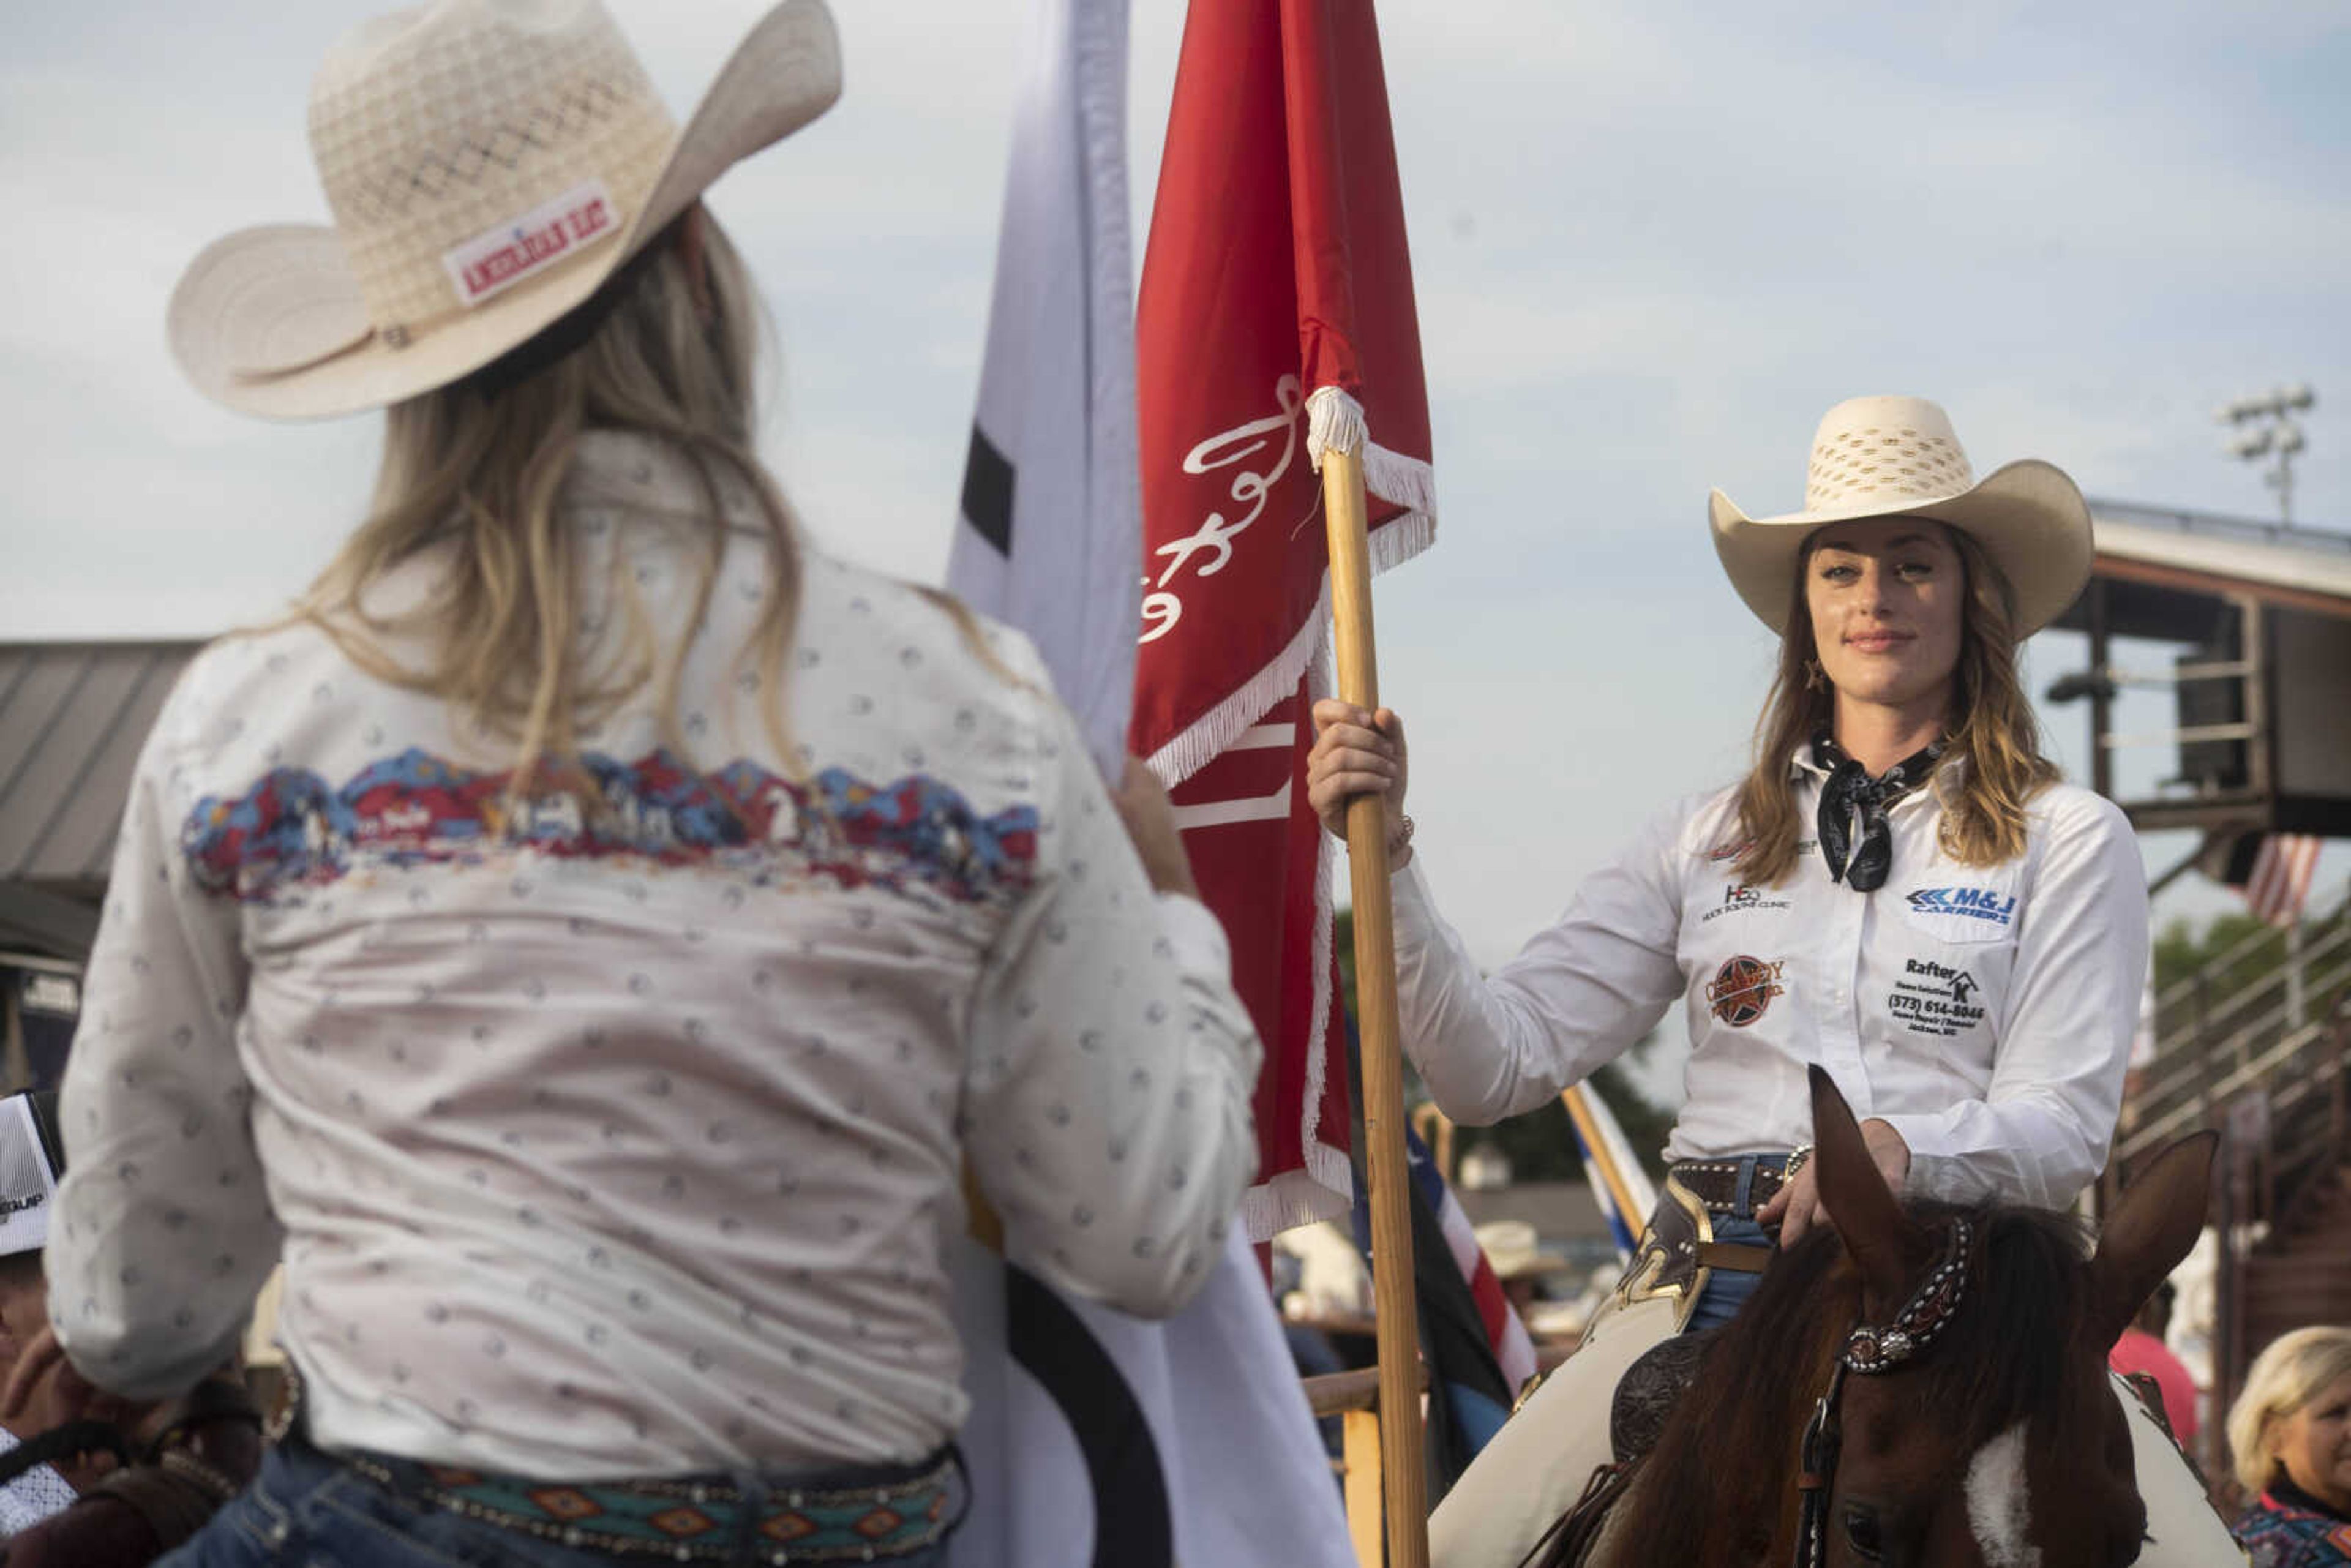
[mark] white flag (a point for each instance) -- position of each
(1050, 535)
(1096, 1439)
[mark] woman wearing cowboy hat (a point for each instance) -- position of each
(591, 939)
(1900, 890)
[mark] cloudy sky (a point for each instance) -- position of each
(1653, 240)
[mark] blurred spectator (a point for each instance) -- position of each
(2141, 1351)
(2289, 1434)
(1524, 1266)
(94, 1480)
(33, 1405)
(1519, 1262)
(1330, 1278)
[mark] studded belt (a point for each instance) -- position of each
(1715, 1182)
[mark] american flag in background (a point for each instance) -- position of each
(1478, 1351)
(2280, 882)
(1514, 1352)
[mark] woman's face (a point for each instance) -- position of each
(2314, 1446)
(1887, 597)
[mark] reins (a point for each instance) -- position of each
(1870, 1349)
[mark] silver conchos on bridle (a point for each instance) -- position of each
(1870, 1349)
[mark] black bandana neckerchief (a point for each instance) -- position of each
(1851, 789)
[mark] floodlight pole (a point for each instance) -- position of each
(2278, 437)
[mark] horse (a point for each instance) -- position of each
(1922, 1385)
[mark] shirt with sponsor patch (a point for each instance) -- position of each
(1985, 1012)
(619, 1127)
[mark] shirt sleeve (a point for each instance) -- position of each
(164, 1232)
(1112, 1066)
(1572, 1000)
(2039, 1133)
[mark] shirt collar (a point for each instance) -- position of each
(634, 470)
(2281, 1490)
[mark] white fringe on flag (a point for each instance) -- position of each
(1334, 422)
(1202, 740)
(1325, 1186)
(1395, 479)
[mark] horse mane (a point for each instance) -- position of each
(1999, 1357)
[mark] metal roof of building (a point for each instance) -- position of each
(72, 719)
(2233, 551)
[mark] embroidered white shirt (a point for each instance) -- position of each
(622, 1135)
(1985, 1012)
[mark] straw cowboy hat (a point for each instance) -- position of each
(1513, 1248)
(489, 163)
(1898, 457)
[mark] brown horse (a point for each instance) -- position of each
(1925, 1386)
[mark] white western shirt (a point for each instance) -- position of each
(1985, 1012)
(623, 1135)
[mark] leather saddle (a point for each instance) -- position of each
(1646, 1397)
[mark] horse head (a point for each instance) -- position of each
(1921, 1384)
(1990, 1433)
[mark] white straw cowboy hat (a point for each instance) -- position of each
(489, 164)
(1898, 457)
(1513, 1248)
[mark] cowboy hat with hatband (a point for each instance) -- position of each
(1898, 457)
(489, 164)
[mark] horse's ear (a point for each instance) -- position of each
(1881, 1238)
(2151, 1229)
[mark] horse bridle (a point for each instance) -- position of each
(1870, 1349)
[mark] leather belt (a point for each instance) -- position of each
(1715, 1182)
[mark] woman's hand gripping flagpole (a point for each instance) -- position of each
(1402, 1485)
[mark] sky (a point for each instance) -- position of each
(1653, 241)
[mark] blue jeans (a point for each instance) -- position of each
(1726, 1291)
(308, 1510)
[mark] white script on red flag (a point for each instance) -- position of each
(1161, 608)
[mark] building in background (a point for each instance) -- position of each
(72, 719)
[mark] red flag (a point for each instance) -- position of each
(1277, 268)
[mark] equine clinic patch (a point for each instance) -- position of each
(1742, 988)
(1934, 1000)
(1737, 898)
(494, 261)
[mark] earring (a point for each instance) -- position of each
(1814, 680)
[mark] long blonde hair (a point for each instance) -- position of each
(1991, 766)
(477, 466)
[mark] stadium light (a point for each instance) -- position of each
(2276, 437)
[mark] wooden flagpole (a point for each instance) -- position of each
(1403, 1484)
(1604, 1159)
